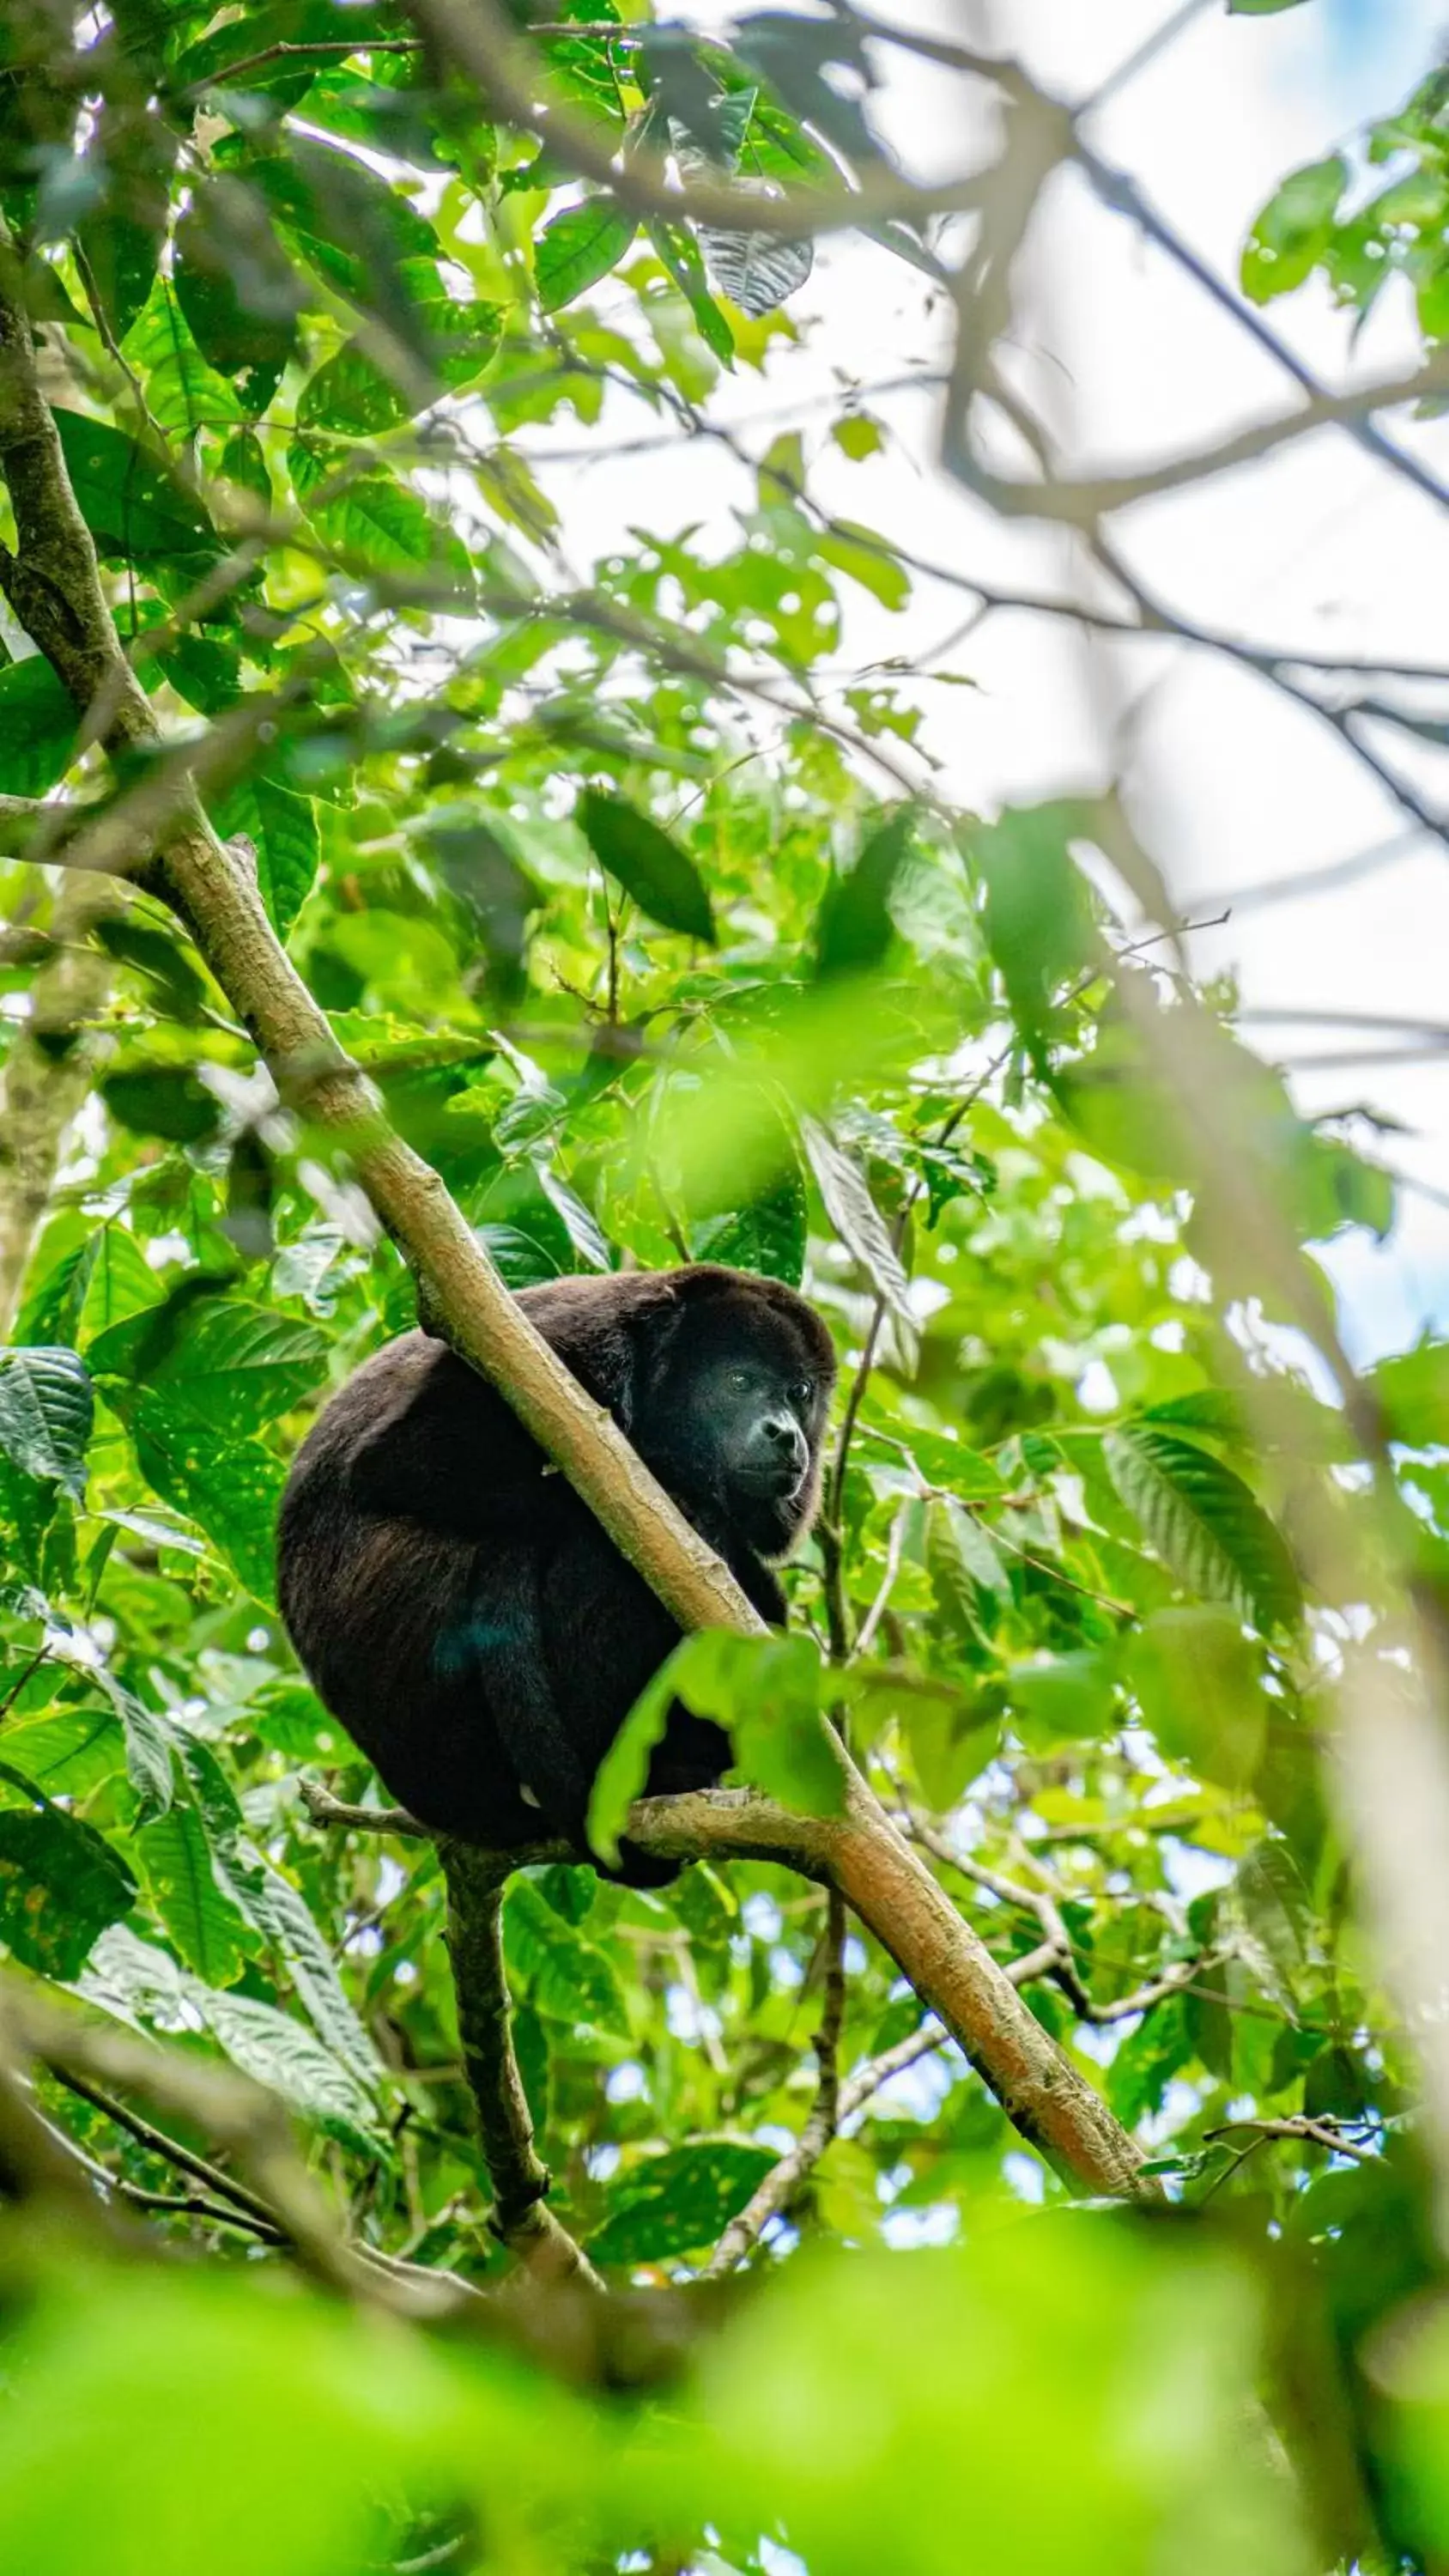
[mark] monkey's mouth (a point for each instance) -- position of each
(782, 1484)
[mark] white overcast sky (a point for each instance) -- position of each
(1320, 547)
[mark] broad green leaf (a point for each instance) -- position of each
(968, 1575)
(47, 1410)
(1204, 1521)
(68, 1750)
(149, 1744)
(230, 1487)
(1064, 1697)
(282, 2054)
(60, 1884)
(1293, 230)
(768, 1693)
(279, 1909)
(238, 308)
(234, 1367)
(680, 2202)
(161, 1100)
(578, 248)
(374, 522)
(136, 511)
(1413, 1394)
(567, 1978)
(282, 828)
(1198, 1682)
(650, 866)
(208, 1929)
(867, 559)
(38, 725)
(768, 1234)
(952, 1735)
(183, 394)
(621, 1775)
(854, 928)
(1038, 912)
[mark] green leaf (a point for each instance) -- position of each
(134, 509)
(1413, 1396)
(1204, 1521)
(768, 1692)
(1038, 912)
(768, 1234)
(578, 248)
(624, 1769)
(282, 2054)
(1293, 230)
(243, 461)
(47, 1410)
(68, 1751)
(61, 1883)
(567, 1978)
(854, 929)
(149, 1746)
(1064, 1698)
(231, 1488)
(183, 394)
(37, 727)
(372, 519)
(282, 829)
(208, 1929)
(350, 396)
(867, 559)
(162, 1100)
(680, 2202)
(232, 1367)
(650, 866)
(238, 308)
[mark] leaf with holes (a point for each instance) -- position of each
(47, 1410)
(231, 1488)
(679, 2202)
(61, 1883)
(568, 1980)
(1205, 1523)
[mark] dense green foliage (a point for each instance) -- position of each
(658, 946)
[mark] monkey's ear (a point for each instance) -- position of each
(626, 1356)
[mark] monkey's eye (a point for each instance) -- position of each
(803, 1395)
(738, 1381)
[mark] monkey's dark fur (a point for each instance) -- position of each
(461, 1610)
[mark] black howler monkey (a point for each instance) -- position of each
(460, 1609)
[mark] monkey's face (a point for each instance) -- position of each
(736, 1423)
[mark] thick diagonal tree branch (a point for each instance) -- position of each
(54, 587)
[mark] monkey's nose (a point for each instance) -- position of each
(787, 1440)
